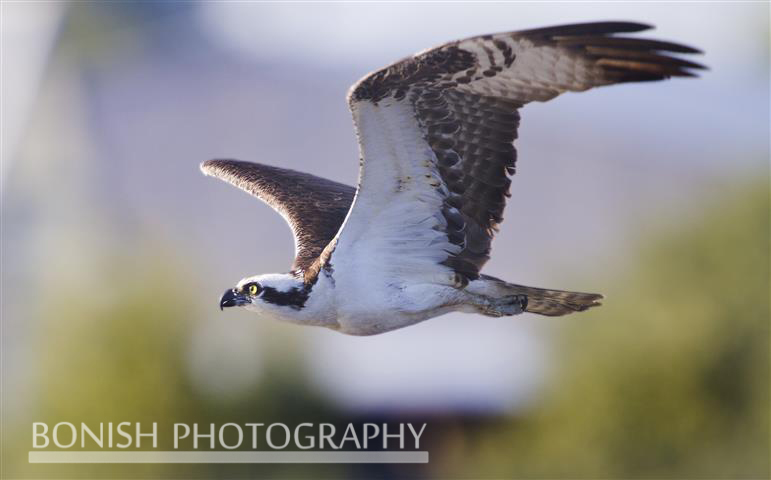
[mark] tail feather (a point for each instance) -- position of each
(554, 303)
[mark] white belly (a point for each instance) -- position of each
(368, 305)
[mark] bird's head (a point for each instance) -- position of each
(241, 295)
(271, 293)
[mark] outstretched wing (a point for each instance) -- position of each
(436, 130)
(314, 207)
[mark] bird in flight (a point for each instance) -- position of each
(435, 133)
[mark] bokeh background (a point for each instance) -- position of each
(115, 248)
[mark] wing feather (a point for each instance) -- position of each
(464, 98)
(314, 207)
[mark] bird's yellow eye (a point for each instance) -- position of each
(252, 289)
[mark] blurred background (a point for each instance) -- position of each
(115, 248)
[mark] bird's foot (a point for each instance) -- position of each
(504, 306)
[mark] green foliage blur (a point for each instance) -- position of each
(670, 379)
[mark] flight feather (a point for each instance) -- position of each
(465, 98)
(314, 207)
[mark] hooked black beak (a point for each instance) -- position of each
(231, 298)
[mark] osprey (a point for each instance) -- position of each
(436, 134)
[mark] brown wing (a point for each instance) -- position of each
(314, 207)
(466, 96)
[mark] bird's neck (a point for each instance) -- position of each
(290, 299)
(294, 298)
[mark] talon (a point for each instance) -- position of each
(523, 302)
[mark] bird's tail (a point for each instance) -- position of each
(552, 303)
